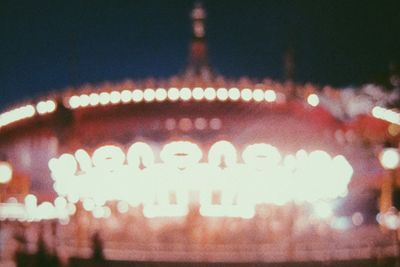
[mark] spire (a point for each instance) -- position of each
(289, 64)
(198, 60)
(198, 17)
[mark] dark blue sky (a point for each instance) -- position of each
(47, 45)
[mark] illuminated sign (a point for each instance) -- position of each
(222, 183)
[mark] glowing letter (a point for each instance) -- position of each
(181, 154)
(108, 157)
(138, 153)
(222, 151)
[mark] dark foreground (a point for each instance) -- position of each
(24, 260)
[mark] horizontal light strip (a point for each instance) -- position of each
(14, 115)
(173, 94)
(386, 115)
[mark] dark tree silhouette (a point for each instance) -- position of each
(97, 248)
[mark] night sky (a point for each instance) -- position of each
(48, 45)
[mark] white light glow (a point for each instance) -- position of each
(88, 204)
(149, 95)
(104, 98)
(261, 155)
(31, 211)
(74, 102)
(41, 107)
(60, 203)
(6, 172)
(181, 154)
(30, 202)
(98, 212)
(51, 106)
(84, 100)
(313, 100)
(107, 212)
(71, 208)
(126, 96)
(137, 95)
(84, 160)
(222, 151)
(161, 94)
(44, 107)
(64, 166)
(17, 114)
(390, 219)
(246, 94)
(210, 93)
(185, 94)
(94, 99)
(108, 157)
(270, 95)
(122, 207)
(323, 210)
(173, 94)
(164, 188)
(258, 95)
(388, 115)
(389, 158)
(234, 94)
(115, 97)
(46, 211)
(222, 94)
(198, 93)
(140, 153)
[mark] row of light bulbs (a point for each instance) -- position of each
(27, 111)
(174, 94)
(148, 95)
(17, 114)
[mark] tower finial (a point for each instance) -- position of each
(289, 64)
(198, 61)
(198, 16)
